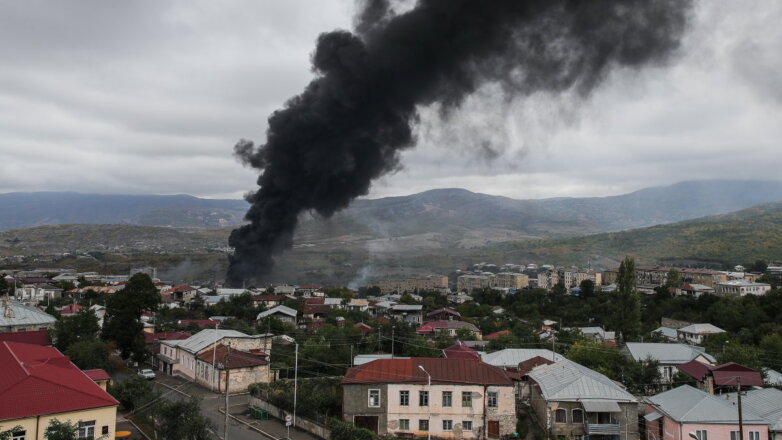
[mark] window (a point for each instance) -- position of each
(423, 398)
(754, 435)
(18, 435)
(560, 416)
(447, 425)
(87, 429)
(492, 399)
(447, 399)
(404, 398)
(104, 430)
(466, 399)
(423, 425)
(667, 372)
(467, 425)
(404, 424)
(701, 434)
(578, 416)
(374, 398)
(734, 435)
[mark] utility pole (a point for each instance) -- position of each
(741, 418)
(393, 327)
(295, 382)
(227, 372)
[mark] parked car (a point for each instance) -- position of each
(146, 373)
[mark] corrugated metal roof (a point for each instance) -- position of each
(442, 371)
(21, 314)
(766, 403)
(666, 353)
(279, 309)
(512, 357)
(204, 339)
(568, 381)
(701, 329)
(668, 332)
(690, 405)
(596, 405)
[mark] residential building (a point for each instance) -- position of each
(741, 288)
(181, 294)
(668, 356)
(18, 317)
(670, 334)
(268, 301)
(430, 283)
(658, 275)
(37, 292)
(683, 412)
(511, 280)
(449, 328)
(411, 313)
(573, 401)
(39, 385)
(721, 378)
(444, 314)
(283, 313)
(694, 289)
(237, 368)
(696, 333)
(547, 278)
(466, 398)
(459, 299)
(504, 280)
(468, 283)
(512, 357)
(181, 357)
(598, 334)
(573, 277)
(765, 403)
(35, 337)
(461, 351)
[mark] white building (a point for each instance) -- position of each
(741, 288)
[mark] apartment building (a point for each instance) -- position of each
(417, 397)
(502, 280)
(402, 285)
(741, 288)
(658, 275)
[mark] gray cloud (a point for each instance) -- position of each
(150, 97)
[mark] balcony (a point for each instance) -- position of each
(602, 428)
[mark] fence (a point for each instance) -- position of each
(302, 423)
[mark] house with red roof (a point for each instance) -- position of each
(181, 294)
(461, 351)
(496, 335)
(449, 328)
(363, 328)
(38, 384)
(416, 397)
(237, 368)
(719, 379)
(444, 314)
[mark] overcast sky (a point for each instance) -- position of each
(151, 96)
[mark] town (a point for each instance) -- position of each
(489, 351)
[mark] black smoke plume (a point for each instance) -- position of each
(347, 128)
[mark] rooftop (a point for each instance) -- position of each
(460, 351)
(442, 371)
(666, 353)
(35, 337)
(279, 309)
(568, 381)
(40, 380)
(701, 329)
(204, 338)
(234, 359)
(20, 314)
(512, 357)
(690, 405)
(766, 403)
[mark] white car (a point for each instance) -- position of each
(146, 373)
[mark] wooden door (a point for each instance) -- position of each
(494, 429)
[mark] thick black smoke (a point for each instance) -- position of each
(328, 144)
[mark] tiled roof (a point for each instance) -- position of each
(442, 371)
(24, 315)
(690, 405)
(35, 337)
(512, 357)
(666, 353)
(40, 380)
(496, 335)
(236, 358)
(568, 381)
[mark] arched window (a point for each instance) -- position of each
(560, 416)
(578, 415)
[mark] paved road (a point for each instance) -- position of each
(212, 405)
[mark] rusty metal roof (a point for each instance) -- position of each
(443, 371)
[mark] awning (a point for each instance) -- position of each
(594, 405)
(167, 359)
(651, 417)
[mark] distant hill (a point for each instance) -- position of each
(735, 238)
(452, 217)
(25, 210)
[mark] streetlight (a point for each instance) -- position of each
(428, 401)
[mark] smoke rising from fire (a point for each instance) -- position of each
(326, 146)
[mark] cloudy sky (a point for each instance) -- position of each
(151, 96)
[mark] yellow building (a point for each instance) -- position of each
(38, 384)
(402, 285)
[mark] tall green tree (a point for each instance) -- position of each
(58, 430)
(123, 312)
(182, 420)
(83, 326)
(673, 279)
(89, 354)
(627, 302)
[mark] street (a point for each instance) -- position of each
(212, 405)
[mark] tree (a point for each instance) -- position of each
(89, 354)
(133, 393)
(123, 312)
(674, 279)
(182, 420)
(626, 316)
(8, 435)
(3, 286)
(587, 288)
(58, 430)
(69, 330)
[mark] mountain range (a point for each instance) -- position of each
(456, 214)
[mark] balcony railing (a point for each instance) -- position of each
(602, 428)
